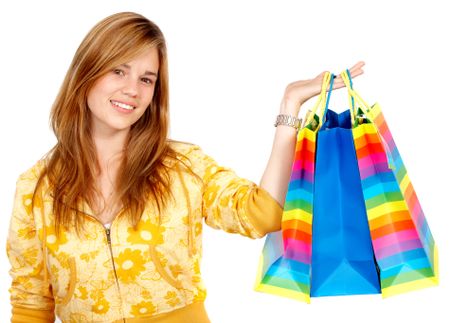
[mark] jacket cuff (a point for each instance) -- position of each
(26, 315)
(264, 212)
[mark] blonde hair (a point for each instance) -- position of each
(72, 162)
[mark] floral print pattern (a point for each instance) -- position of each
(137, 273)
(146, 232)
(130, 264)
(143, 308)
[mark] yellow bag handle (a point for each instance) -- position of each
(369, 114)
(351, 102)
(322, 99)
(352, 94)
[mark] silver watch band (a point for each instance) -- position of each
(288, 120)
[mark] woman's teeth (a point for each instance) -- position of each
(123, 105)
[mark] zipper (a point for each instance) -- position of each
(108, 239)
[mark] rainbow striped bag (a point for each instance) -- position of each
(404, 249)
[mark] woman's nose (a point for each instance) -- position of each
(130, 88)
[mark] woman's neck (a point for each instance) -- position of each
(110, 149)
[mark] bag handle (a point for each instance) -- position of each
(330, 89)
(346, 76)
(353, 95)
(325, 81)
(351, 99)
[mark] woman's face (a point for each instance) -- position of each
(120, 97)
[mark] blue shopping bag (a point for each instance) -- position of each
(342, 254)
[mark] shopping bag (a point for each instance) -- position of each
(285, 263)
(404, 247)
(406, 258)
(342, 254)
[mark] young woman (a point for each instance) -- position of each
(107, 226)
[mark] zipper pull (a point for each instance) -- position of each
(108, 235)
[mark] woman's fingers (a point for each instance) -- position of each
(303, 90)
(355, 71)
(357, 66)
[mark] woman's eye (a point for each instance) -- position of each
(118, 72)
(147, 81)
(122, 73)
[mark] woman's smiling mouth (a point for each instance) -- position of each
(122, 107)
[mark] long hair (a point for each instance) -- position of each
(72, 162)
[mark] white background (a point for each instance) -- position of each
(229, 65)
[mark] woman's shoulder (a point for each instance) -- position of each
(181, 145)
(34, 171)
(184, 148)
(27, 180)
(190, 151)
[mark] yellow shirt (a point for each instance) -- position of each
(122, 275)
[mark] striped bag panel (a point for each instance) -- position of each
(406, 186)
(402, 253)
(289, 275)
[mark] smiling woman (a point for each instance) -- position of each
(106, 226)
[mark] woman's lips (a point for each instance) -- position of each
(121, 109)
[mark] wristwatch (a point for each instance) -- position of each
(288, 120)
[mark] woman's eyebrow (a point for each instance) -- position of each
(146, 72)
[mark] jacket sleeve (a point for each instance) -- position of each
(31, 296)
(232, 203)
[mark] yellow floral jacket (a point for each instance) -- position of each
(124, 275)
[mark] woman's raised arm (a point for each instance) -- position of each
(275, 178)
